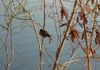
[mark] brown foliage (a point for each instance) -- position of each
(92, 1)
(83, 35)
(98, 6)
(62, 13)
(97, 39)
(74, 34)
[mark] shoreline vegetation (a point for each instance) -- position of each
(78, 25)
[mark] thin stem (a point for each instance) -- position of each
(42, 44)
(35, 31)
(85, 30)
(60, 48)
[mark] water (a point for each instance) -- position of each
(26, 56)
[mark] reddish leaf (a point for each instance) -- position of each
(62, 13)
(82, 15)
(83, 35)
(74, 34)
(97, 39)
(92, 1)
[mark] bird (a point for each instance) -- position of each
(43, 33)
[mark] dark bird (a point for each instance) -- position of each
(45, 34)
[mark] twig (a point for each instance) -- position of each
(60, 48)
